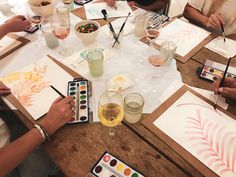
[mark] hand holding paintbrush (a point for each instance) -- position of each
(222, 82)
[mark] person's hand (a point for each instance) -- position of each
(4, 90)
(214, 21)
(60, 112)
(132, 3)
(111, 3)
(17, 23)
(229, 89)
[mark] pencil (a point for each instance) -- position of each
(63, 96)
(222, 82)
(121, 29)
(223, 30)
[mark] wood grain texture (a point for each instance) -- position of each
(75, 149)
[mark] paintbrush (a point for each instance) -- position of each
(63, 96)
(222, 82)
(104, 12)
(121, 29)
(223, 31)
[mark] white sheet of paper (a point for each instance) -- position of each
(6, 42)
(93, 10)
(211, 96)
(185, 35)
(207, 134)
(31, 85)
(226, 49)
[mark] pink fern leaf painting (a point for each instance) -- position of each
(208, 135)
(31, 85)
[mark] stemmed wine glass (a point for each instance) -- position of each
(34, 13)
(61, 27)
(110, 110)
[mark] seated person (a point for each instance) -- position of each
(211, 14)
(150, 5)
(229, 89)
(18, 161)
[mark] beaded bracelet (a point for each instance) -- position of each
(42, 132)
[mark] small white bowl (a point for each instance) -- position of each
(45, 11)
(87, 38)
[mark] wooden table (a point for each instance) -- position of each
(76, 148)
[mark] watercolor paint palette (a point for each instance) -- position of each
(81, 2)
(79, 90)
(110, 166)
(213, 71)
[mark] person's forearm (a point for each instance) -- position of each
(195, 16)
(232, 36)
(3, 30)
(14, 153)
(157, 5)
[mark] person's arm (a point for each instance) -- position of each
(196, 17)
(14, 153)
(15, 24)
(232, 36)
(157, 5)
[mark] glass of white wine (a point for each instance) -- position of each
(110, 110)
(61, 28)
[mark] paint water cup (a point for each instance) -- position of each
(50, 39)
(141, 23)
(95, 63)
(133, 107)
(167, 51)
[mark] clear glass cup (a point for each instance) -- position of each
(61, 28)
(69, 4)
(141, 23)
(95, 63)
(110, 110)
(133, 107)
(50, 39)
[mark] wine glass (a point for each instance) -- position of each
(61, 27)
(34, 14)
(110, 110)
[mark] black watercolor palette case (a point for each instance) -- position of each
(110, 166)
(81, 2)
(79, 90)
(212, 71)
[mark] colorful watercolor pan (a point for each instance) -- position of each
(79, 89)
(110, 166)
(213, 71)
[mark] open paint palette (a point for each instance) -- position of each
(110, 166)
(213, 71)
(79, 89)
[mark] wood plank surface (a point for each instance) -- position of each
(75, 149)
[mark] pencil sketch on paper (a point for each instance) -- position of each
(213, 142)
(185, 35)
(27, 84)
(207, 134)
(93, 10)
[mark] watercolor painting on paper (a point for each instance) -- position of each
(207, 134)
(31, 85)
(226, 49)
(93, 10)
(185, 35)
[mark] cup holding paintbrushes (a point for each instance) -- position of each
(222, 83)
